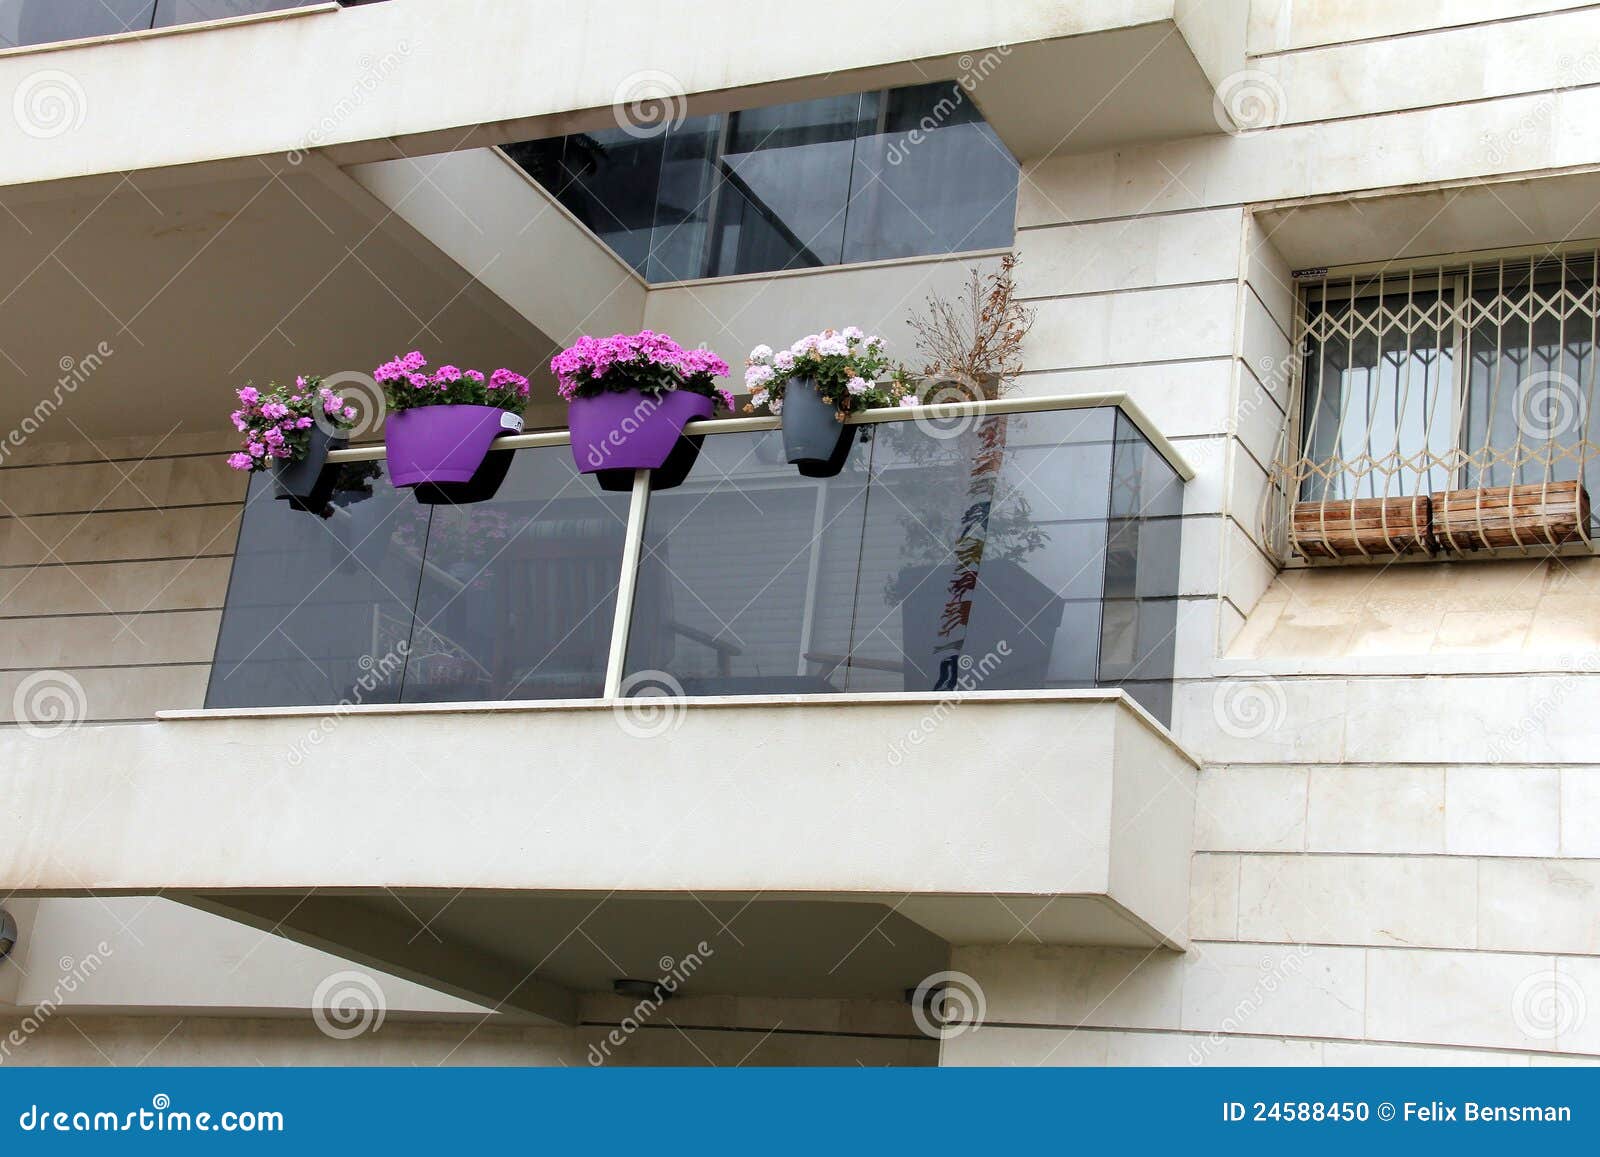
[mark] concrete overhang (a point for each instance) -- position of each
(1407, 227)
(381, 80)
(1049, 818)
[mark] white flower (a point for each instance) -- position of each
(784, 360)
(909, 400)
(762, 353)
(833, 346)
(758, 397)
(804, 345)
(858, 385)
(757, 376)
(851, 333)
(776, 405)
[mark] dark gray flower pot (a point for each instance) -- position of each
(307, 484)
(814, 440)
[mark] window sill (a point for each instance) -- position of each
(174, 30)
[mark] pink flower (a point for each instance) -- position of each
(256, 449)
(249, 395)
(240, 461)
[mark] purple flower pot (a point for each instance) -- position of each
(628, 430)
(443, 443)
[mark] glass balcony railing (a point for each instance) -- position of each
(29, 22)
(1015, 546)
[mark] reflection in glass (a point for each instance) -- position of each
(24, 22)
(45, 21)
(1367, 394)
(517, 594)
(1030, 551)
(900, 173)
(386, 600)
(1024, 551)
(1529, 382)
(317, 606)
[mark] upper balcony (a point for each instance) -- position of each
(378, 80)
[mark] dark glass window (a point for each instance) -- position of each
(902, 173)
(25, 22)
(386, 600)
(1030, 551)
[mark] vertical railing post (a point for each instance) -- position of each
(627, 584)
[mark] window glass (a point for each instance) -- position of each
(934, 178)
(685, 200)
(1371, 388)
(785, 182)
(862, 177)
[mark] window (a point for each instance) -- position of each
(901, 173)
(1477, 376)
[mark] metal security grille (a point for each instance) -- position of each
(1447, 408)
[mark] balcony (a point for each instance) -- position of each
(858, 719)
(1029, 547)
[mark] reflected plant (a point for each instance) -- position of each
(933, 523)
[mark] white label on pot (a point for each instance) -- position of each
(510, 421)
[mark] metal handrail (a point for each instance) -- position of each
(935, 412)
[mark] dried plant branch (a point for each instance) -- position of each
(975, 341)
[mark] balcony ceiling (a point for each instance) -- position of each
(201, 280)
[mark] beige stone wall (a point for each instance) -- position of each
(114, 561)
(1394, 860)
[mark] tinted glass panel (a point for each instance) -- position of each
(169, 12)
(853, 178)
(731, 563)
(965, 559)
(1140, 619)
(685, 201)
(43, 21)
(785, 175)
(518, 594)
(319, 609)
